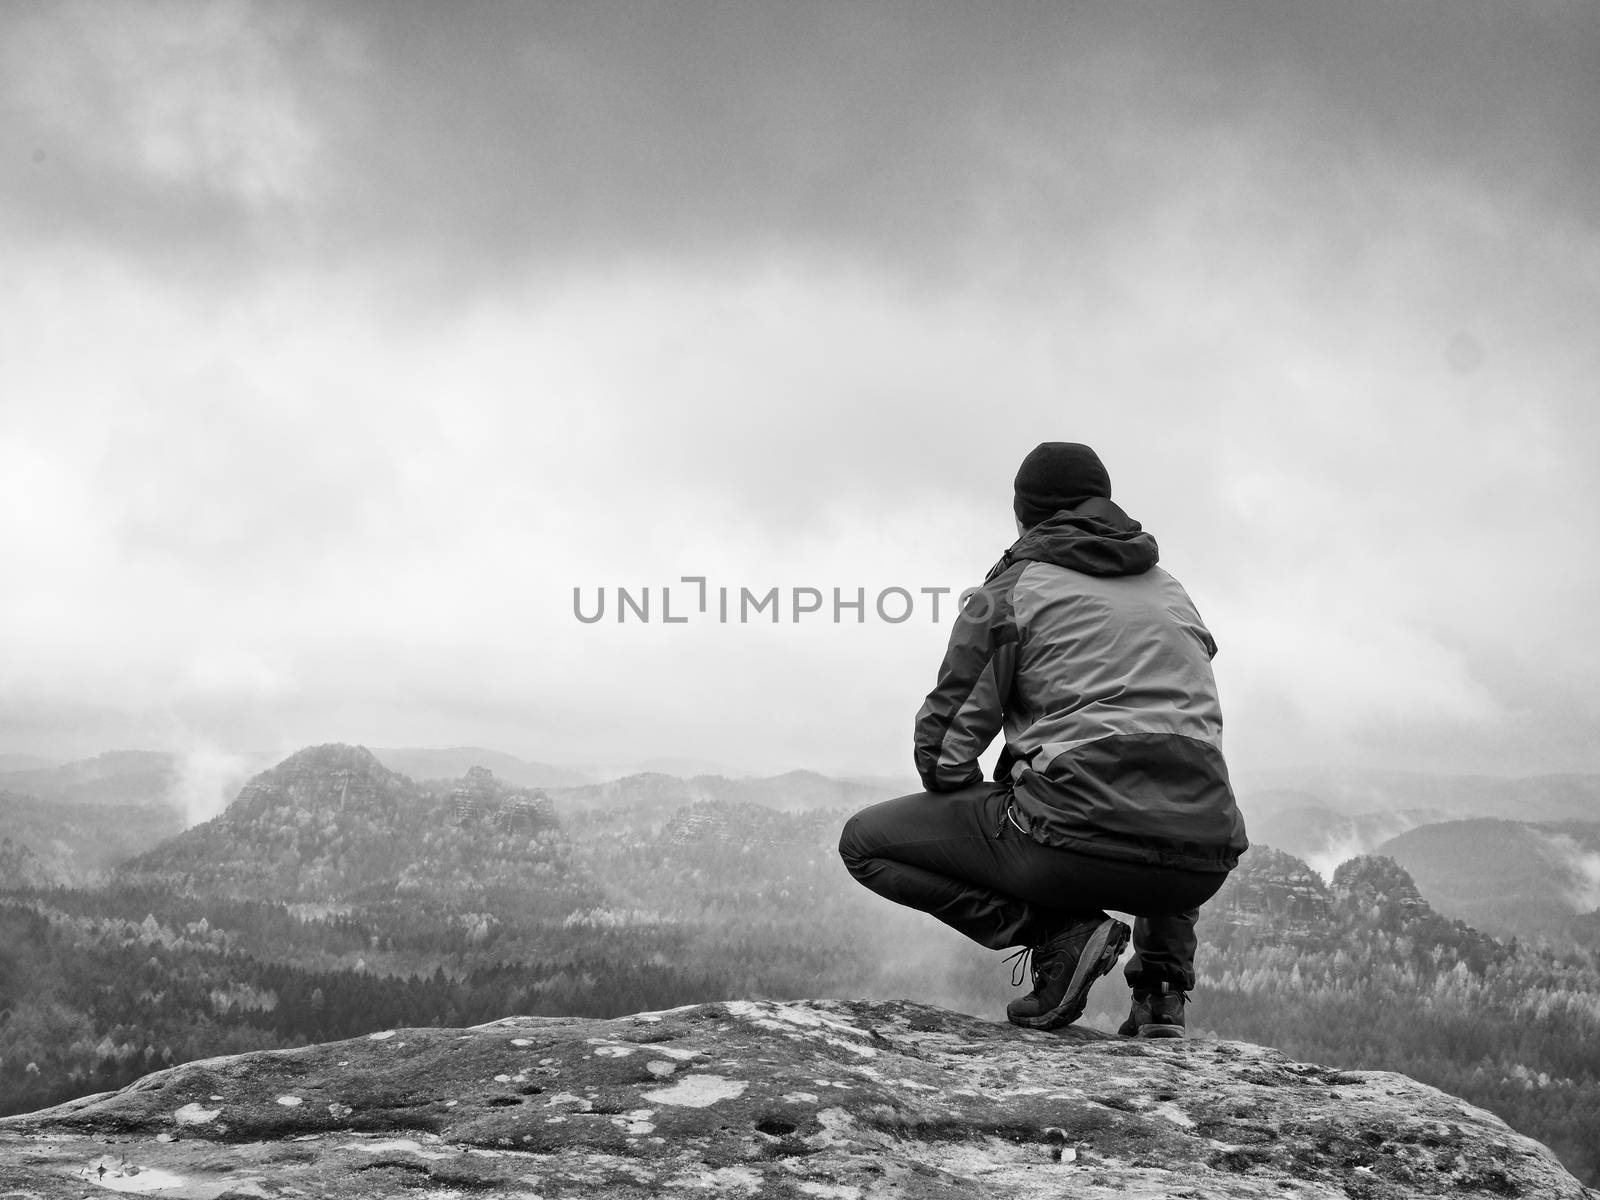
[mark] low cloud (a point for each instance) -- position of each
(208, 780)
(342, 343)
(1580, 863)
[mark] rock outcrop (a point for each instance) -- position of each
(1383, 887)
(1271, 889)
(331, 825)
(811, 1099)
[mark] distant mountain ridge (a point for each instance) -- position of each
(82, 818)
(1506, 877)
(1509, 855)
(117, 776)
(455, 761)
(332, 824)
(792, 791)
(1325, 838)
(1352, 791)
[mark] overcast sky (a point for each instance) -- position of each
(340, 343)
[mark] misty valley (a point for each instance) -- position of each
(337, 895)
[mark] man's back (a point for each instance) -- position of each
(1100, 655)
(1111, 791)
(1097, 667)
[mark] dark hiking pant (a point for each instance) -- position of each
(959, 857)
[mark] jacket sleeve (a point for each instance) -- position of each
(965, 710)
(1189, 617)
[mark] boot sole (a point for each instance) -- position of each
(1100, 954)
(1161, 1031)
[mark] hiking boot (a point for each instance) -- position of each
(1064, 968)
(1156, 1013)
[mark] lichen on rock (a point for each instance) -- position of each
(808, 1099)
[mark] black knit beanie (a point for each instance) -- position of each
(1058, 475)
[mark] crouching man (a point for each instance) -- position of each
(1111, 791)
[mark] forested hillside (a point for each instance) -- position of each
(336, 897)
(1364, 974)
(80, 840)
(1531, 881)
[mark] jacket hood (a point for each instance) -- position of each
(1094, 536)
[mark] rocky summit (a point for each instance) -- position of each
(809, 1099)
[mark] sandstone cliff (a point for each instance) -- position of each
(812, 1099)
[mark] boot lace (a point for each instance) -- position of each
(1025, 964)
(1021, 963)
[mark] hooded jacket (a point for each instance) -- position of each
(1095, 663)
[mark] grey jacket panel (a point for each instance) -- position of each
(1106, 655)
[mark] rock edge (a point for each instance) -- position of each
(822, 1098)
